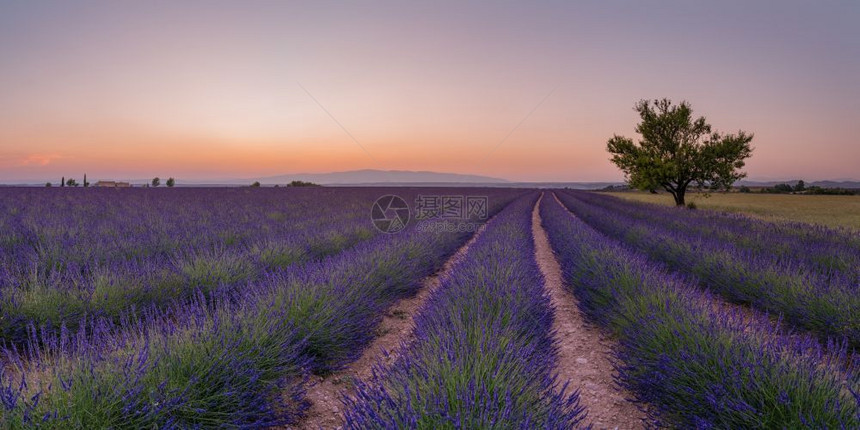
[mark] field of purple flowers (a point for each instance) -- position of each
(483, 354)
(210, 308)
(77, 254)
(808, 275)
(695, 363)
(231, 354)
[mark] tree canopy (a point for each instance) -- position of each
(677, 150)
(302, 184)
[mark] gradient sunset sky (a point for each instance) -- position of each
(526, 91)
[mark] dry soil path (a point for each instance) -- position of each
(324, 393)
(584, 350)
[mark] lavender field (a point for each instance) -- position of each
(290, 308)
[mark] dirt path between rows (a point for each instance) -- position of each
(584, 350)
(396, 328)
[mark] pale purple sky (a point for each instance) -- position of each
(524, 91)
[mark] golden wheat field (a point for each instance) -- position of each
(832, 211)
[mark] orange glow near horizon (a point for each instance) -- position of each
(129, 91)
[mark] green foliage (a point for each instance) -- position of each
(801, 186)
(745, 189)
(256, 184)
(170, 182)
(676, 151)
(302, 184)
(156, 181)
(208, 270)
(48, 184)
(71, 182)
(781, 188)
(831, 191)
(281, 257)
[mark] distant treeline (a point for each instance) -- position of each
(291, 184)
(156, 181)
(302, 184)
(801, 188)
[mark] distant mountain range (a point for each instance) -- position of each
(369, 176)
(380, 178)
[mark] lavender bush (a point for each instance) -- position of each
(483, 352)
(695, 364)
(100, 252)
(825, 250)
(828, 304)
(232, 358)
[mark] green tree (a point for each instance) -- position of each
(63, 182)
(170, 182)
(256, 184)
(86, 184)
(783, 188)
(801, 186)
(676, 151)
(47, 184)
(71, 182)
(302, 184)
(156, 181)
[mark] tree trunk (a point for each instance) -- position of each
(679, 197)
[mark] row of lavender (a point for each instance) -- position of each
(695, 364)
(234, 358)
(825, 302)
(67, 254)
(483, 352)
(828, 251)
